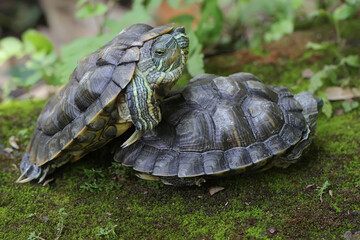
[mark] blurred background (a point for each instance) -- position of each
(42, 40)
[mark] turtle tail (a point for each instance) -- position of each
(311, 107)
(29, 171)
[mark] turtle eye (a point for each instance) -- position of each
(160, 51)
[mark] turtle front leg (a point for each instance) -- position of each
(143, 106)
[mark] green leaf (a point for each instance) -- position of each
(81, 2)
(351, 60)
(348, 107)
(174, 3)
(74, 51)
(183, 20)
(38, 41)
(210, 25)
(279, 29)
(352, 2)
(343, 12)
(10, 47)
(195, 63)
(91, 10)
(320, 46)
(316, 80)
(327, 107)
(33, 78)
(153, 4)
(138, 14)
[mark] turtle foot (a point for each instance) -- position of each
(30, 171)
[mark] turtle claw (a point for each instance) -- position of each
(28, 179)
(21, 177)
(28, 169)
(44, 174)
(133, 138)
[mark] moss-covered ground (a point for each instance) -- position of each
(316, 198)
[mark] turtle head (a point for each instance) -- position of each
(163, 59)
(311, 107)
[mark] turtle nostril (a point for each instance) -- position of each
(180, 29)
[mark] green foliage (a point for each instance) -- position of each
(108, 232)
(349, 106)
(90, 9)
(321, 189)
(332, 72)
(343, 12)
(96, 180)
(40, 61)
(266, 20)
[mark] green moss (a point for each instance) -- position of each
(276, 204)
(17, 118)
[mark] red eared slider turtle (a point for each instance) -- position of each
(223, 125)
(110, 90)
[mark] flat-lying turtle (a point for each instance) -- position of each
(110, 90)
(217, 126)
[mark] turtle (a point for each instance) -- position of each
(218, 126)
(119, 85)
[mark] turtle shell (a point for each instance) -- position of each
(82, 116)
(221, 125)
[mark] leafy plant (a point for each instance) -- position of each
(60, 225)
(108, 232)
(39, 53)
(33, 236)
(349, 106)
(321, 189)
(331, 72)
(263, 20)
(96, 180)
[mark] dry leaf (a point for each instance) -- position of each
(8, 150)
(330, 193)
(338, 93)
(214, 190)
(307, 73)
(272, 230)
(13, 143)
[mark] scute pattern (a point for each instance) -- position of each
(221, 125)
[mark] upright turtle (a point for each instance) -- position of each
(218, 126)
(113, 88)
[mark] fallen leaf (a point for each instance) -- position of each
(8, 150)
(214, 190)
(339, 93)
(307, 73)
(309, 186)
(330, 193)
(272, 230)
(13, 143)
